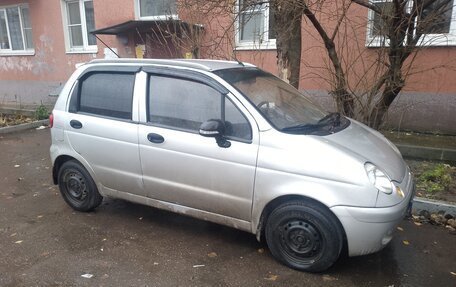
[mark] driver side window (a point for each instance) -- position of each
(184, 104)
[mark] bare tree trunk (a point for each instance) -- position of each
(288, 19)
(393, 87)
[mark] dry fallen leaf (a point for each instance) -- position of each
(417, 223)
(400, 228)
(329, 278)
(212, 254)
(272, 277)
(405, 242)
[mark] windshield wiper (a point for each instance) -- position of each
(332, 119)
(302, 127)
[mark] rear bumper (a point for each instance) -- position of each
(368, 230)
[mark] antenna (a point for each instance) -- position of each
(106, 45)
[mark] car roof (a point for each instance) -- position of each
(199, 64)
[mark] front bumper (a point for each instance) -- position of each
(368, 230)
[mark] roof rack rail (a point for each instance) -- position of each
(171, 62)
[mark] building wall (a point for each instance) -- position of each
(25, 81)
(427, 102)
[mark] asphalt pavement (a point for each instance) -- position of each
(43, 242)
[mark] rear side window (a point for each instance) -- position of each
(107, 94)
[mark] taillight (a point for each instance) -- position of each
(51, 120)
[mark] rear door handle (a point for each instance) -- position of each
(75, 124)
(155, 138)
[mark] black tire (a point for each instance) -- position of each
(77, 187)
(304, 236)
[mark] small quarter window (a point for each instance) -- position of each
(236, 124)
(107, 94)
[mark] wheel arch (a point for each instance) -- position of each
(274, 203)
(59, 161)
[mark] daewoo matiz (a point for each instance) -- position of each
(228, 143)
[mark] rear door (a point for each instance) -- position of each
(179, 165)
(101, 128)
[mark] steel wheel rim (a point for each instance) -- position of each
(75, 185)
(301, 240)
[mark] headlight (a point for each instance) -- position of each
(379, 179)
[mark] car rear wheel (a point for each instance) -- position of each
(304, 236)
(77, 187)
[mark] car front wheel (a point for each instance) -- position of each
(304, 236)
(77, 187)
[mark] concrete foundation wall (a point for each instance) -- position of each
(412, 111)
(27, 94)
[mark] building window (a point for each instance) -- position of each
(79, 21)
(436, 23)
(15, 30)
(156, 9)
(255, 25)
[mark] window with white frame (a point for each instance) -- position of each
(79, 19)
(255, 25)
(156, 9)
(436, 22)
(15, 30)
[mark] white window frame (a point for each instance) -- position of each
(427, 40)
(10, 51)
(266, 44)
(86, 48)
(157, 17)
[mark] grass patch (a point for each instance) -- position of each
(436, 179)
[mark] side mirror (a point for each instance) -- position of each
(215, 129)
(212, 128)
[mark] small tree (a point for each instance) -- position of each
(400, 27)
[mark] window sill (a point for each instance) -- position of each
(430, 41)
(92, 51)
(255, 46)
(17, 53)
(160, 17)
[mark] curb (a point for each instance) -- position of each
(21, 127)
(427, 153)
(433, 206)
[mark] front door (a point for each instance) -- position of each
(182, 167)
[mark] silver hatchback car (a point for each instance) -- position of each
(228, 143)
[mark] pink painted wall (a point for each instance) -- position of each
(432, 71)
(51, 62)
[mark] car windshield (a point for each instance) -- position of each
(280, 103)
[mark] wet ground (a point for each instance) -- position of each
(43, 242)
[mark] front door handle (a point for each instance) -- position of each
(75, 124)
(155, 138)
